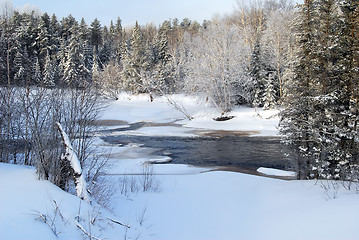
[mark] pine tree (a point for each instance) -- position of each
(257, 74)
(119, 35)
(95, 34)
(135, 62)
(270, 92)
(84, 36)
(95, 71)
(36, 75)
(22, 67)
(75, 71)
(49, 72)
(297, 117)
(43, 38)
(163, 67)
(106, 50)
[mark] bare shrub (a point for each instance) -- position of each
(148, 181)
(109, 81)
(145, 181)
(331, 188)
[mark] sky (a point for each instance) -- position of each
(145, 11)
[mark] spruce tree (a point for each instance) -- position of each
(75, 71)
(163, 68)
(36, 75)
(297, 117)
(95, 34)
(257, 74)
(49, 72)
(270, 98)
(135, 62)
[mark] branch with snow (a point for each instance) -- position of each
(72, 158)
(86, 232)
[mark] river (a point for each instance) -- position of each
(250, 152)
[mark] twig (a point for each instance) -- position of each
(119, 223)
(44, 218)
(85, 232)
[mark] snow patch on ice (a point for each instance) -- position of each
(276, 172)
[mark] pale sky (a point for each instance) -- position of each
(145, 11)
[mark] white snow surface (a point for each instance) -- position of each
(276, 172)
(191, 203)
(139, 108)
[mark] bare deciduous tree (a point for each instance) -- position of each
(218, 65)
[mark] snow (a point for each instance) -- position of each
(75, 163)
(276, 172)
(189, 202)
(70, 155)
(139, 108)
(24, 197)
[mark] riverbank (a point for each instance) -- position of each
(176, 201)
(139, 108)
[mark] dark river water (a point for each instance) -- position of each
(227, 151)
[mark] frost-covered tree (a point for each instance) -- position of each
(298, 116)
(135, 61)
(36, 74)
(49, 73)
(277, 40)
(258, 71)
(218, 66)
(109, 81)
(324, 127)
(270, 96)
(22, 67)
(95, 34)
(163, 68)
(75, 70)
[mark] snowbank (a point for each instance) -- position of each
(190, 203)
(36, 209)
(276, 172)
(139, 108)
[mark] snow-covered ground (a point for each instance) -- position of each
(184, 202)
(139, 109)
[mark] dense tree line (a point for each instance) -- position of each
(320, 119)
(253, 43)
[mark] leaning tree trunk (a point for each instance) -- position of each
(72, 158)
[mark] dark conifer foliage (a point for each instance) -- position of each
(320, 119)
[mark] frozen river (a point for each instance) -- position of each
(226, 151)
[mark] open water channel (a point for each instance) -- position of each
(227, 151)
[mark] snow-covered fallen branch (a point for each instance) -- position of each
(72, 158)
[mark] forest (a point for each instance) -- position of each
(302, 59)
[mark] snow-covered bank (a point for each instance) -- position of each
(187, 202)
(139, 108)
(212, 205)
(36, 209)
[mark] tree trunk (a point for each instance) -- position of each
(72, 158)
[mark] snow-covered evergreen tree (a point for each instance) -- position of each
(135, 61)
(95, 34)
(270, 99)
(75, 71)
(36, 75)
(163, 69)
(258, 74)
(297, 118)
(49, 72)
